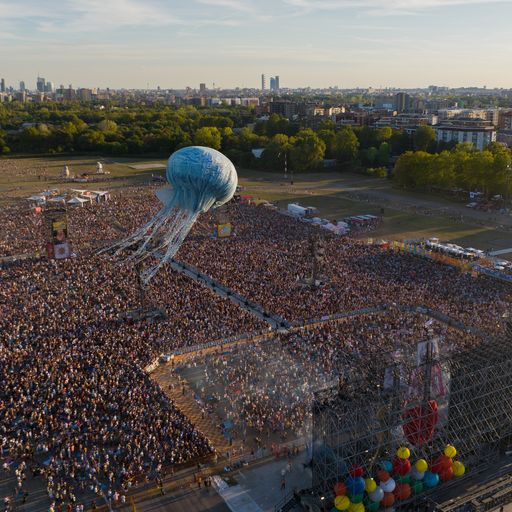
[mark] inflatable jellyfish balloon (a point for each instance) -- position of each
(200, 178)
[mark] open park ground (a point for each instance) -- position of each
(407, 215)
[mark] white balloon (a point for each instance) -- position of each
(417, 475)
(388, 485)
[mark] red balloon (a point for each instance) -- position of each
(446, 474)
(419, 422)
(340, 489)
(388, 500)
(356, 471)
(441, 463)
(401, 466)
(383, 476)
(402, 491)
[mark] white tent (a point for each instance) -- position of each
(58, 199)
(37, 199)
(78, 201)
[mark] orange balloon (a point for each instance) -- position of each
(388, 499)
(382, 475)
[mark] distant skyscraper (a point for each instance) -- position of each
(202, 87)
(2, 85)
(274, 83)
(49, 87)
(22, 86)
(41, 84)
(402, 102)
(263, 82)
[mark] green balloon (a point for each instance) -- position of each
(372, 506)
(356, 498)
(406, 479)
(417, 487)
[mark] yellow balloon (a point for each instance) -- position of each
(458, 468)
(450, 451)
(421, 465)
(403, 452)
(370, 485)
(341, 502)
(356, 507)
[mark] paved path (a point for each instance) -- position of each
(183, 500)
(263, 483)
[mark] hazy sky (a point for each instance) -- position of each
(175, 43)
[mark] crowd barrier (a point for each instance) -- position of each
(495, 274)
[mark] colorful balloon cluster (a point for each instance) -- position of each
(398, 481)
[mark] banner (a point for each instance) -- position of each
(224, 230)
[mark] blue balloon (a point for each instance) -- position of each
(199, 178)
(387, 465)
(355, 485)
(431, 479)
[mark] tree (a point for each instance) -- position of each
(308, 150)
(412, 169)
(424, 139)
(329, 138)
(277, 124)
(208, 136)
(400, 142)
(275, 153)
(346, 145)
(107, 126)
(383, 154)
(383, 134)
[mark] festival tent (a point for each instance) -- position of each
(37, 199)
(58, 199)
(78, 201)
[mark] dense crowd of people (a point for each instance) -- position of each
(274, 398)
(270, 255)
(75, 399)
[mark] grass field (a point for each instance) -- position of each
(19, 177)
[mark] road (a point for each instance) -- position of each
(186, 500)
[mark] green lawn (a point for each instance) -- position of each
(19, 178)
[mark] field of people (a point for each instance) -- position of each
(76, 402)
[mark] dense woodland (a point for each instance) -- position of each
(419, 162)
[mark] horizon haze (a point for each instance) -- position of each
(318, 43)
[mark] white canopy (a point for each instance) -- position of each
(78, 200)
(58, 199)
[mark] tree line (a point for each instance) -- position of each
(159, 130)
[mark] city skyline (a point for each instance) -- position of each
(316, 43)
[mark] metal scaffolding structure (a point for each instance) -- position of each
(424, 401)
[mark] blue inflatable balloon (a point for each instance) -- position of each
(387, 465)
(430, 479)
(355, 485)
(200, 178)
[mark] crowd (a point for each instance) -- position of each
(75, 400)
(273, 400)
(270, 254)
(74, 397)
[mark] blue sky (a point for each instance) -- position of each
(175, 43)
